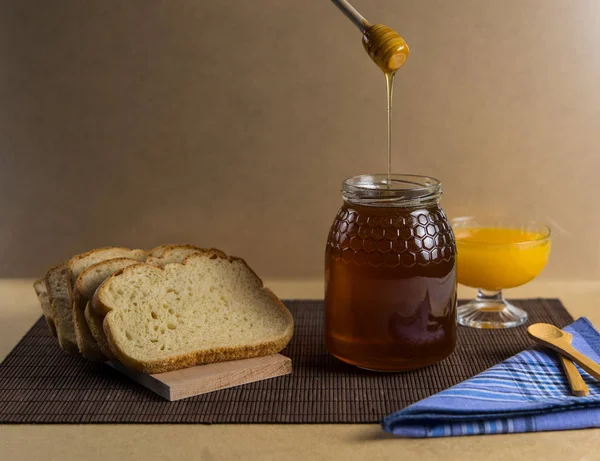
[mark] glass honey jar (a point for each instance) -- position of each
(390, 275)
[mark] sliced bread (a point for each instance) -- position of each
(167, 254)
(212, 308)
(94, 323)
(162, 255)
(59, 294)
(78, 263)
(83, 289)
(59, 283)
(42, 294)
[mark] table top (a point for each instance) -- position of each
(19, 309)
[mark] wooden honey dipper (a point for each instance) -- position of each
(384, 45)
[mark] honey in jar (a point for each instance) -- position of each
(390, 275)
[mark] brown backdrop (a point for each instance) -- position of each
(232, 123)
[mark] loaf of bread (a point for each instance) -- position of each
(211, 308)
(173, 307)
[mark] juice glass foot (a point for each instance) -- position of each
(490, 310)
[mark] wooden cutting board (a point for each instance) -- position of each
(180, 384)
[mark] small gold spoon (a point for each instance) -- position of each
(578, 386)
(384, 45)
(554, 338)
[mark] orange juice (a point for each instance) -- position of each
(496, 258)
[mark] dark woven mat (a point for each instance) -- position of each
(41, 384)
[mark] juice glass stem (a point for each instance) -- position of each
(489, 296)
(490, 310)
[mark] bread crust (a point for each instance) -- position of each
(96, 329)
(80, 294)
(71, 262)
(161, 249)
(177, 362)
(86, 343)
(64, 326)
(42, 293)
(161, 252)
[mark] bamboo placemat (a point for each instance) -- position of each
(41, 384)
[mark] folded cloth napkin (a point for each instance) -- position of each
(526, 393)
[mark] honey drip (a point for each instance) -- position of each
(389, 51)
(389, 83)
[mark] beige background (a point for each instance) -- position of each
(232, 123)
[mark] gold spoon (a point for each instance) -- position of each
(578, 386)
(384, 45)
(554, 338)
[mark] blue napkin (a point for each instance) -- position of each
(526, 393)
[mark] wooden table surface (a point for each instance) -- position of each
(19, 309)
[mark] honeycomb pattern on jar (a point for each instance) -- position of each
(421, 238)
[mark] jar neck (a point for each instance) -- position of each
(394, 203)
(401, 191)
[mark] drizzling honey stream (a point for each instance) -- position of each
(389, 51)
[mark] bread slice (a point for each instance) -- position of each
(167, 254)
(59, 283)
(94, 323)
(160, 256)
(212, 308)
(83, 289)
(58, 287)
(78, 263)
(42, 294)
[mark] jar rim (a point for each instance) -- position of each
(402, 189)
